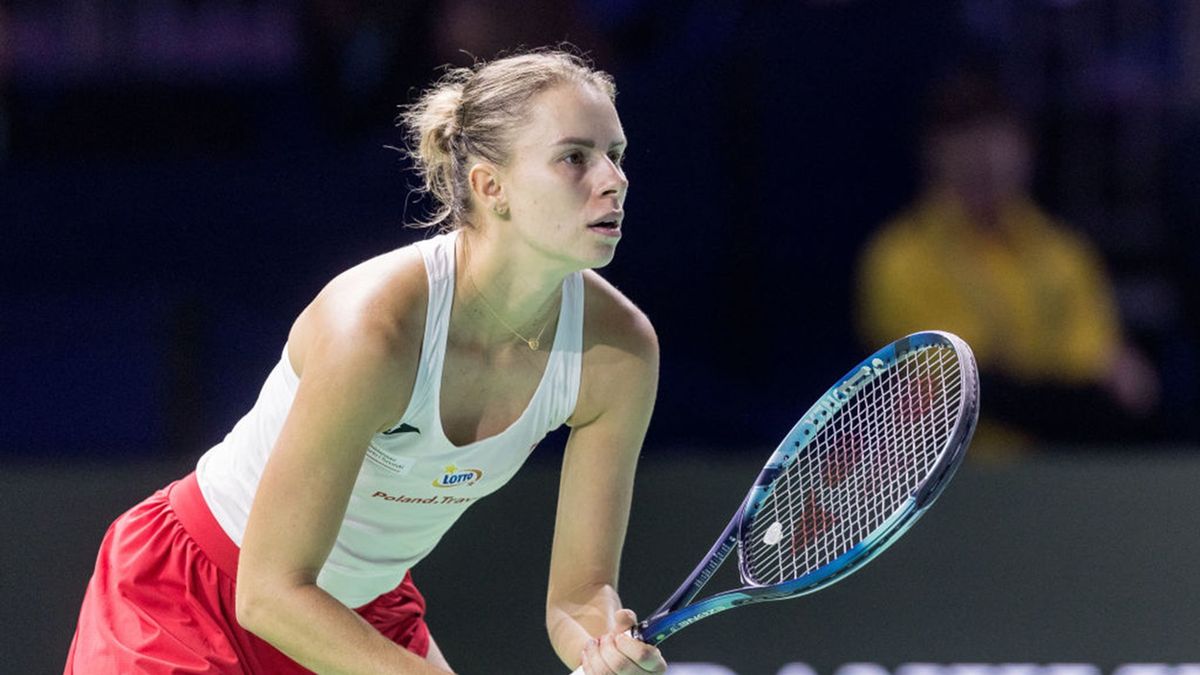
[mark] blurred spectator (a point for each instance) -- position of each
(976, 256)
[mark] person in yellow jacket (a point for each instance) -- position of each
(976, 256)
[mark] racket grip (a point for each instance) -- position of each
(634, 632)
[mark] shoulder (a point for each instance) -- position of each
(368, 320)
(1065, 239)
(904, 229)
(904, 243)
(1058, 241)
(620, 353)
(612, 322)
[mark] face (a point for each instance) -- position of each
(985, 164)
(563, 185)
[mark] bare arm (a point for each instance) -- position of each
(613, 413)
(347, 391)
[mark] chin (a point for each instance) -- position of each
(601, 257)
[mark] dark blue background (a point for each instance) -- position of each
(162, 228)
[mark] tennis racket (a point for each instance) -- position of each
(858, 469)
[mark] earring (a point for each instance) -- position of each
(500, 209)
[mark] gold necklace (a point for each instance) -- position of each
(533, 343)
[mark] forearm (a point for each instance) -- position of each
(572, 619)
(323, 635)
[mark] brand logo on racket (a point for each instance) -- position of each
(833, 401)
(456, 477)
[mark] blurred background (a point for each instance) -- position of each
(178, 178)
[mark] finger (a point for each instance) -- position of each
(584, 655)
(624, 620)
(597, 662)
(591, 662)
(612, 657)
(647, 658)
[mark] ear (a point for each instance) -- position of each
(487, 188)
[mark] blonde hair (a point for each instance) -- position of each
(472, 112)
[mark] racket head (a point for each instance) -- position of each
(948, 384)
(859, 467)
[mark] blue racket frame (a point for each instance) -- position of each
(672, 616)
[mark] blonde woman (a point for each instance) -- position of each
(412, 386)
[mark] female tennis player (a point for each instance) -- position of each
(415, 384)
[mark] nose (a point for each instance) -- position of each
(614, 184)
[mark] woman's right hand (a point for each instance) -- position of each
(619, 653)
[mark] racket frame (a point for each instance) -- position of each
(676, 613)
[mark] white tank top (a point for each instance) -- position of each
(414, 483)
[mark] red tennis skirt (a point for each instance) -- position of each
(161, 599)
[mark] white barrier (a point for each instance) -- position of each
(868, 668)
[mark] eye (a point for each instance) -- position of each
(617, 158)
(574, 157)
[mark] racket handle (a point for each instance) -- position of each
(634, 632)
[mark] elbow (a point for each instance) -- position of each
(248, 608)
(266, 606)
(254, 607)
(265, 600)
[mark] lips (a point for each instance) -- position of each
(608, 223)
(608, 229)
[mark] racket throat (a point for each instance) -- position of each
(688, 590)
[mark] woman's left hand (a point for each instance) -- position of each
(618, 653)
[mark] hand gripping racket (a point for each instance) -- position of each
(858, 469)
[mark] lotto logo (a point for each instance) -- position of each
(455, 477)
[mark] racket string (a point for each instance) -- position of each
(861, 467)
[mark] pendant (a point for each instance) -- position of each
(533, 344)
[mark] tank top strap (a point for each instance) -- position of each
(438, 255)
(567, 358)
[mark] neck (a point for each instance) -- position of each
(986, 216)
(502, 299)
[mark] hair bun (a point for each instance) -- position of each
(443, 116)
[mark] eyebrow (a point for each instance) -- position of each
(587, 142)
